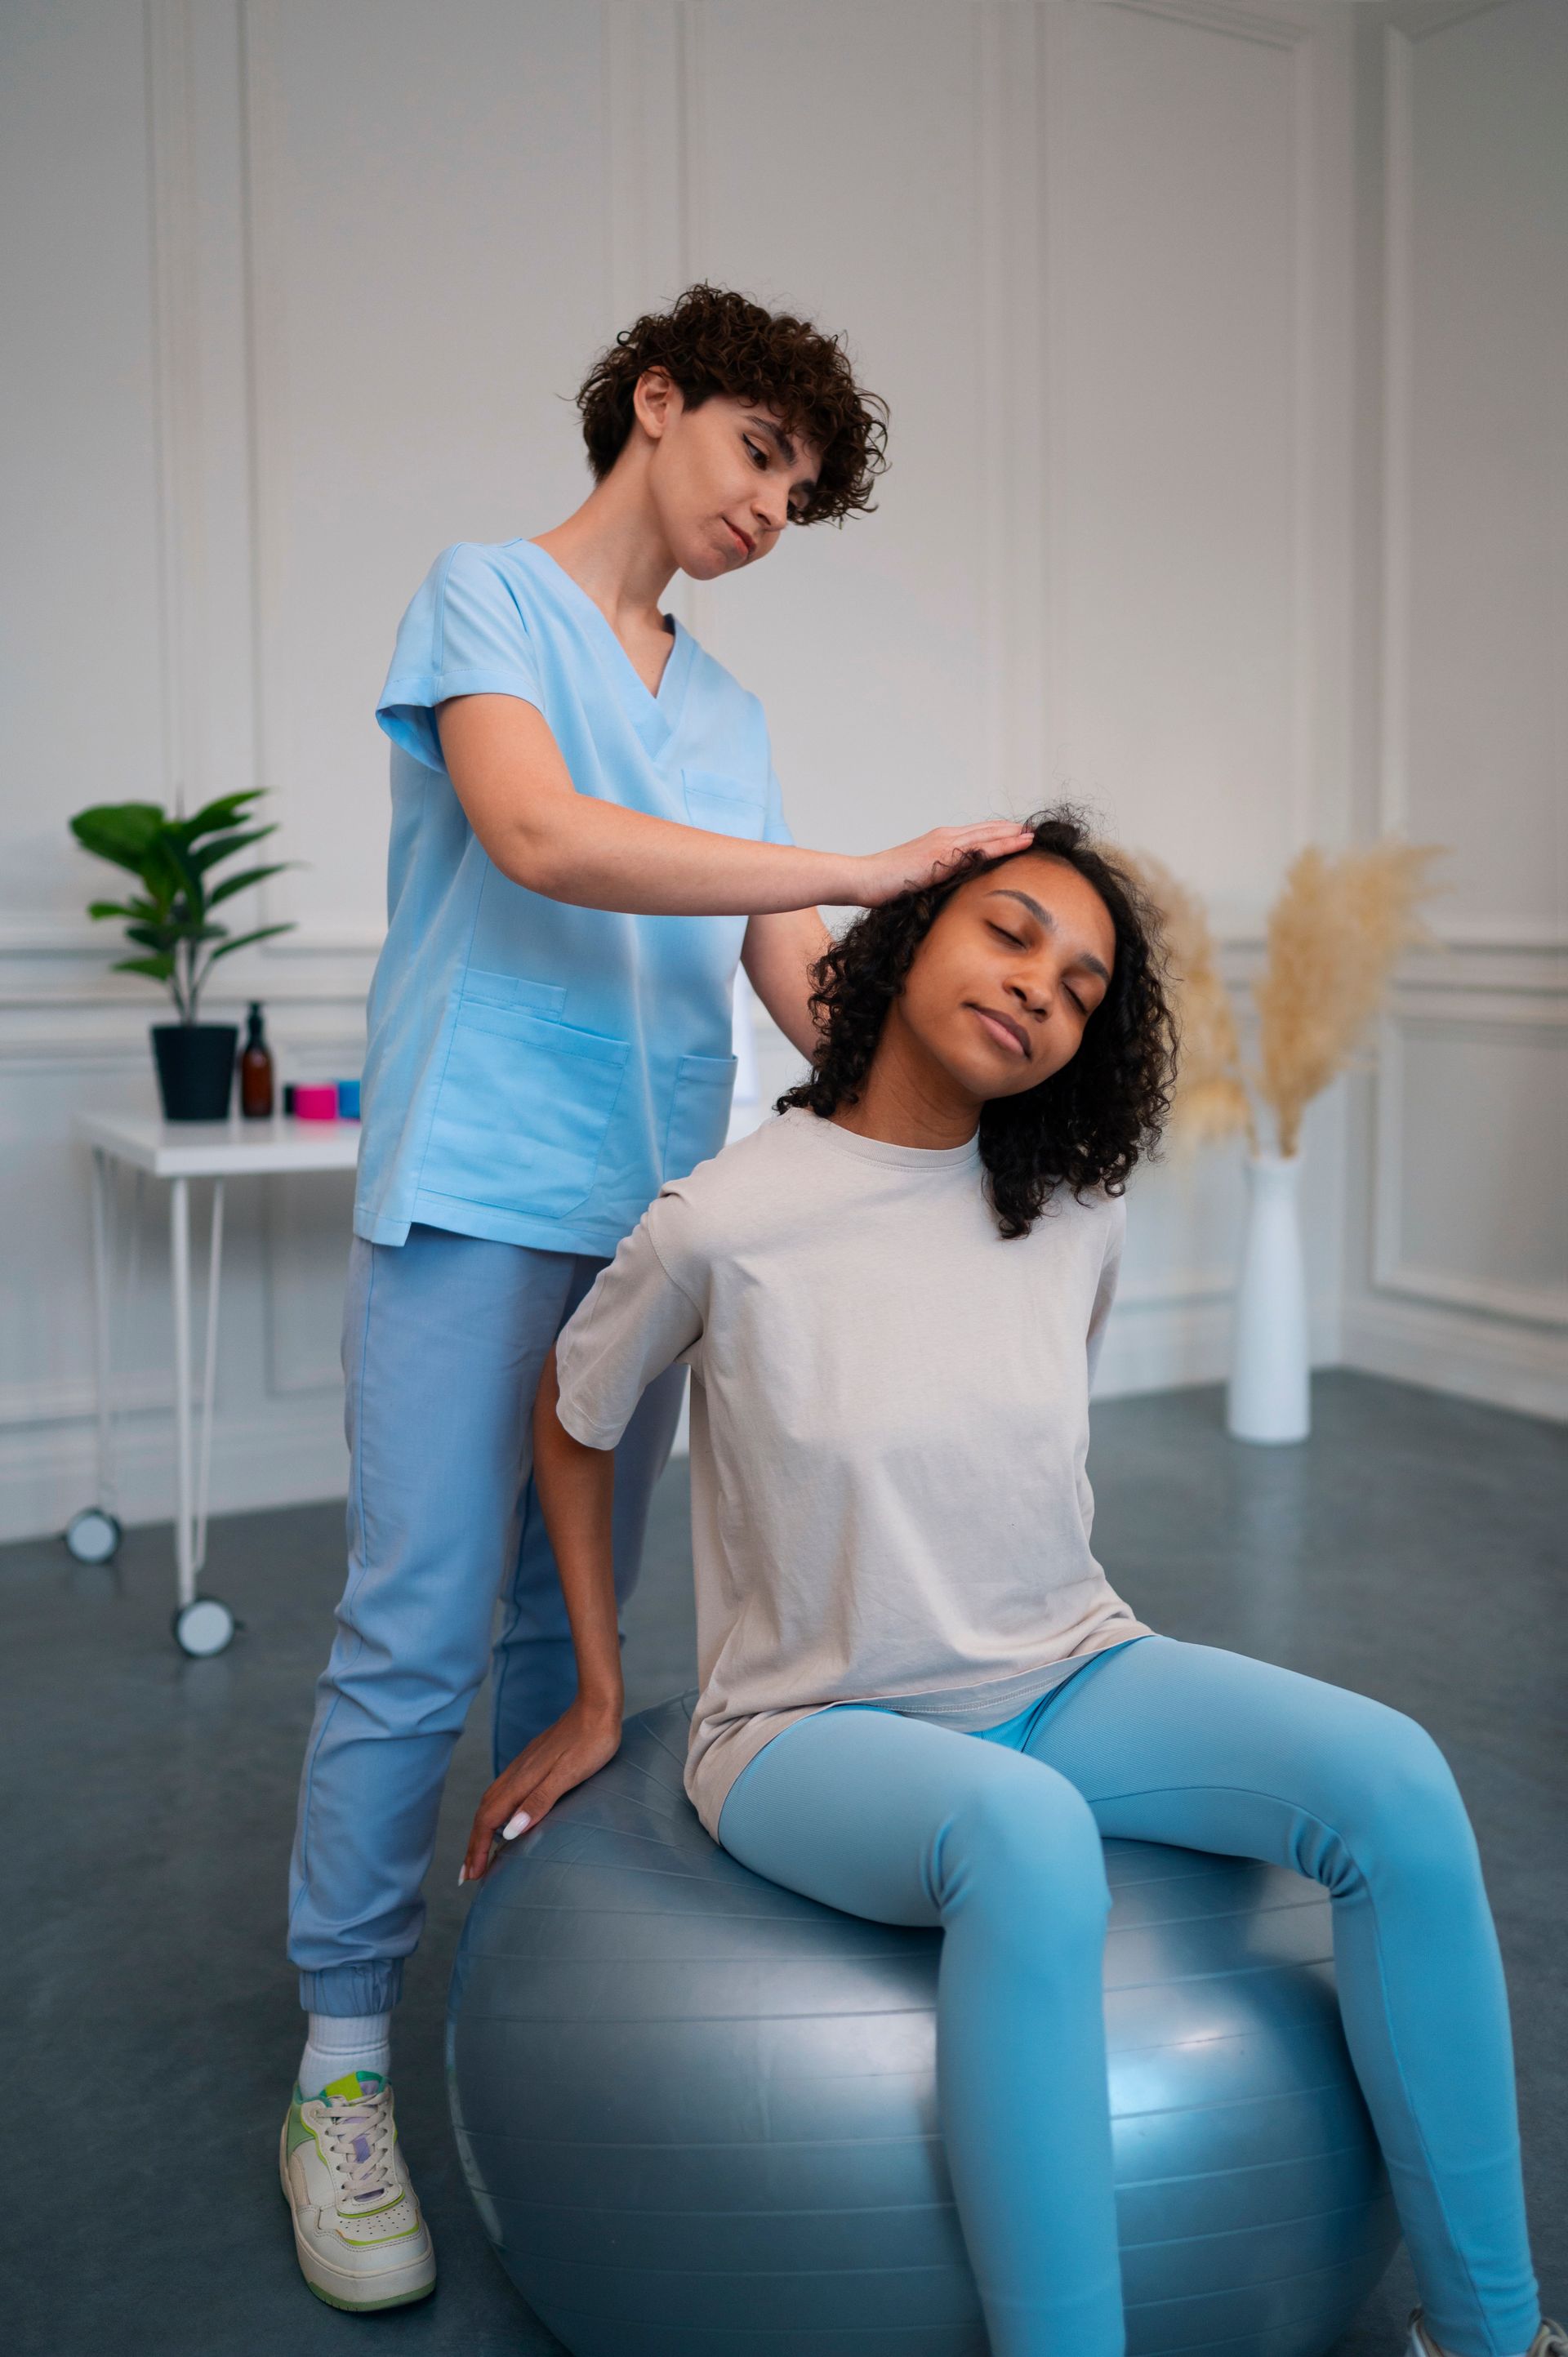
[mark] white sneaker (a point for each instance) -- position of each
(1551, 2341)
(360, 2238)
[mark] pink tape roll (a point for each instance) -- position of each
(315, 1101)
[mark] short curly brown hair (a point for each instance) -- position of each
(712, 340)
(1088, 1125)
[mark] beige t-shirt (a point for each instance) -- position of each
(890, 1423)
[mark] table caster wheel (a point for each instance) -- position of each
(204, 1627)
(93, 1536)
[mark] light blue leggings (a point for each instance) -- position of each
(997, 1839)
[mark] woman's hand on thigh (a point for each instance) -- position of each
(583, 1739)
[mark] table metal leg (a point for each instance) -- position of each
(102, 1294)
(209, 1371)
(133, 1250)
(179, 1266)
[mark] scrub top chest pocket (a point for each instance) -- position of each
(724, 805)
(525, 1101)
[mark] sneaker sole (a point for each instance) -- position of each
(313, 2270)
(365, 2306)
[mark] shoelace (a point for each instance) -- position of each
(359, 2137)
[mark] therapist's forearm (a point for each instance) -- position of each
(512, 778)
(576, 1492)
(597, 856)
(509, 775)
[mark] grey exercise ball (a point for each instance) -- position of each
(698, 2113)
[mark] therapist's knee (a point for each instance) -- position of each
(413, 1674)
(1023, 1843)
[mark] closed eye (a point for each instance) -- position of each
(1006, 936)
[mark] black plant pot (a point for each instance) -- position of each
(196, 1068)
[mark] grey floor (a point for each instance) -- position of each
(1413, 1549)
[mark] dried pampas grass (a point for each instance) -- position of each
(1210, 1099)
(1333, 936)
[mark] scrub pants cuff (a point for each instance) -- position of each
(348, 1989)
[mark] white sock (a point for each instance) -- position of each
(340, 2042)
(1438, 2348)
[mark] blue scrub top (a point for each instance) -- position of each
(535, 1071)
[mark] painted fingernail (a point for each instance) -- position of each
(518, 1823)
(463, 1872)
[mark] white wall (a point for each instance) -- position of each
(1458, 1249)
(303, 287)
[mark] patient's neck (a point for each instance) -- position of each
(909, 1099)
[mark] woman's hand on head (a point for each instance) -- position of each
(930, 859)
(582, 1742)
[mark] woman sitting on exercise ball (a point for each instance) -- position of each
(921, 1702)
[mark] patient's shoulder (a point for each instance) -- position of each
(751, 1170)
(739, 1195)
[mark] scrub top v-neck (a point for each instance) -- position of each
(535, 1071)
(670, 693)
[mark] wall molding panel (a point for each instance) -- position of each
(1301, 43)
(1479, 1020)
(174, 199)
(1308, 73)
(1011, 267)
(267, 398)
(1217, 16)
(1406, 29)
(1500, 1021)
(1417, 20)
(651, 97)
(1394, 788)
(646, 52)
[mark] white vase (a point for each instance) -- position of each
(1269, 1398)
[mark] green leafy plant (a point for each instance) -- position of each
(171, 924)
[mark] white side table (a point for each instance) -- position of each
(180, 1151)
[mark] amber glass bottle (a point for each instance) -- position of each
(255, 1070)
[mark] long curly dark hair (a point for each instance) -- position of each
(713, 340)
(1086, 1125)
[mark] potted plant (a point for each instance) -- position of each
(171, 927)
(1333, 936)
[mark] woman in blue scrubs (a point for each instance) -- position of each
(587, 834)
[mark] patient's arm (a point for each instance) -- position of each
(575, 1486)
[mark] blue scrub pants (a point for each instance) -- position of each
(998, 1841)
(443, 1339)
